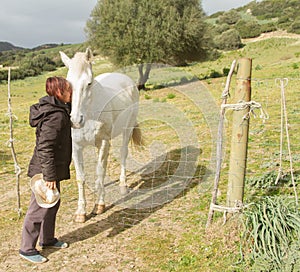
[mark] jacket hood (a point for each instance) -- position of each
(46, 105)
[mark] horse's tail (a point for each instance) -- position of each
(137, 137)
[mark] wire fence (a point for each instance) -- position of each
(273, 147)
(180, 152)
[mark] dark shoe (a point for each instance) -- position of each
(34, 258)
(58, 245)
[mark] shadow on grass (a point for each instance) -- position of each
(148, 198)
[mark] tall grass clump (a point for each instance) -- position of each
(271, 234)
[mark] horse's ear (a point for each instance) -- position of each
(65, 59)
(89, 54)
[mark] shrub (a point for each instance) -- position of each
(295, 27)
(248, 29)
(230, 17)
(283, 19)
(3, 75)
(215, 74)
(269, 27)
(49, 67)
(219, 29)
(226, 71)
(229, 40)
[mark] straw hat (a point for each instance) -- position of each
(45, 197)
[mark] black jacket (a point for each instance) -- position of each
(53, 150)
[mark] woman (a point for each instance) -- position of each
(52, 158)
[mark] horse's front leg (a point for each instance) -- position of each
(101, 173)
(80, 214)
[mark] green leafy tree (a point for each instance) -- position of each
(141, 32)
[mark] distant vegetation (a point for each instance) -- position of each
(33, 62)
(227, 29)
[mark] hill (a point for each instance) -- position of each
(6, 46)
(46, 46)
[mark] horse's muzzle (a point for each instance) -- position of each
(79, 124)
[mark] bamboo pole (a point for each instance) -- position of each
(11, 144)
(219, 151)
(239, 140)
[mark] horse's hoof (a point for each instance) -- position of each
(98, 209)
(79, 218)
(124, 190)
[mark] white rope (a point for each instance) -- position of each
(220, 208)
(10, 115)
(238, 207)
(252, 105)
(282, 83)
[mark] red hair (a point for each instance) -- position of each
(57, 85)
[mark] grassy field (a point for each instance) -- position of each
(168, 235)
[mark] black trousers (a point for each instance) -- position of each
(39, 223)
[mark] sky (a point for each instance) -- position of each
(30, 23)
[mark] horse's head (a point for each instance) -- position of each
(80, 75)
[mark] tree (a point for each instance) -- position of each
(141, 32)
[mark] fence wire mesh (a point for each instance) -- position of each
(181, 136)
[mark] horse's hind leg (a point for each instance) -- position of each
(101, 172)
(80, 215)
(124, 153)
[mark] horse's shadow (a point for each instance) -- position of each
(150, 196)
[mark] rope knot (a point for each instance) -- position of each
(252, 105)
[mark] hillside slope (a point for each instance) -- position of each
(6, 46)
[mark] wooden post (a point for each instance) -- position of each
(239, 140)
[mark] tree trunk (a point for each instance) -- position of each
(143, 75)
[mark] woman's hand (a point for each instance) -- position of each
(51, 184)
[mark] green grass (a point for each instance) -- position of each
(173, 238)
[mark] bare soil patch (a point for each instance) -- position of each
(275, 34)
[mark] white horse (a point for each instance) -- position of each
(102, 108)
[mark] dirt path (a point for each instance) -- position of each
(275, 34)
